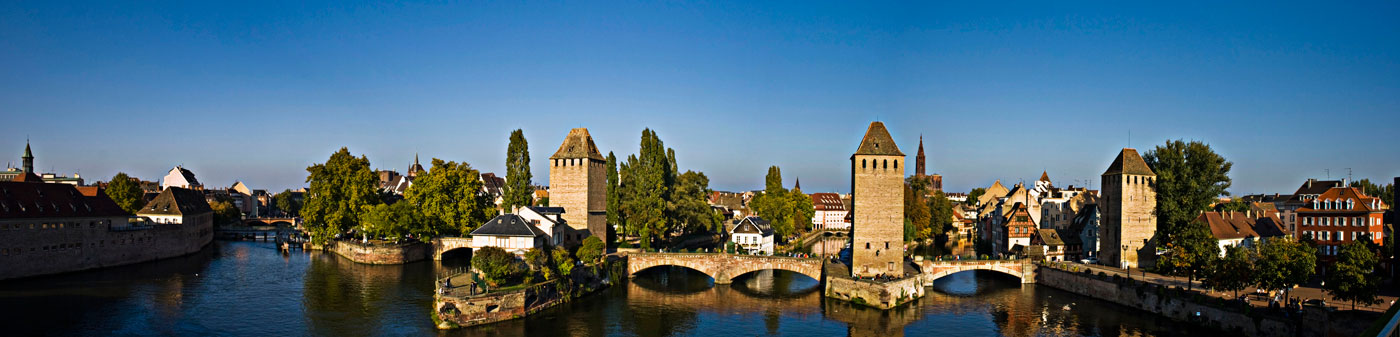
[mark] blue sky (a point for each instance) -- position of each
(256, 91)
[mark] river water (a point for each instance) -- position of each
(250, 289)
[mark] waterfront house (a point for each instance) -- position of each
(829, 212)
(549, 220)
(510, 232)
(180, 177)
(752, 234)
(177, 205)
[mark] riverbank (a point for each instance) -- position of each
(381, 253)
(460, 306)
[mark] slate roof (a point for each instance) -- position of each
(1049, 237)
(20, 200)
(751, 225)
(1129, 162)
(189, 176)
(493, 184)
(877, 141)
(176, 201)
(1269, 226)
(508, 225)
(578, 144)
(547, 210)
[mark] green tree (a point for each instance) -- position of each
(1235, 204)
(563, 262)
(450, 197)
(126, 192)
(916, 211)
(1284, 263)
(614, 200)
(645, 189)
(941, 211)
(1190, 177)
(785, 210)
(1190, 253)
(1353, 277)
(395, 220)
(802, 209)
(497, 266)
(286, 203)
(538, 259)
(224, 212)
(518, 192)
(339, 189)
(1233, 272)
(773, 182)
(591, 250)
(909, 230)
(975, 194)
(691, 207)
(1372, 189)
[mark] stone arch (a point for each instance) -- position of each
(255, 223)
(943, 271)
(282, 223)
(633, 269)
(730, 274)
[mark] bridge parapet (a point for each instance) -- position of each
(1023, 269)
(725, 267)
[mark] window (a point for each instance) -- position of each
(867, 245)
(862, 163)
(896, 163)
(887, 245)
(887, 164)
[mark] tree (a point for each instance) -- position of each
(909, 230)
(224, 212)
(563, 262)
(785, 210)
(614, 200)
(645, 189)
(1353, 277)
(125, 192)
(285, 202)
(1284, 263)
(1374, 190)
(1190, 177)
(450, 197)
(1233, 272)
(802, 209)
(1235, 205)
(518, 192)
(691, 207)
(1190, 253)
(591, 250)
(941, 213)
(976, 194)
(395, 220)
(916, 211)
(339, 189)
(773, 182)
(497, 266)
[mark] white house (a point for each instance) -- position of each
(177, 206)
(511, 232)
(829, 212)
(180, 177)
(752, 234)
(549, 220)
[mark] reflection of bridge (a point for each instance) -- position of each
(724, 299)
(1022, 269)
(725, 267)
(284, 221)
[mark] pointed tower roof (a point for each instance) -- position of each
(27, 153)
(578, 144)
(877, 141)
(415, 169)
(798, 184)
(919, 160)
(1129, 162)
(1045, 176)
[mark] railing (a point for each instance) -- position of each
(1392, 324)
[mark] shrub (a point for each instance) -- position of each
(564, 262)
(591, 250)
(497, 266)
(625, 245)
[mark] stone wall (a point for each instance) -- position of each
(454, 310)
(877, 184)
(883, 295)
(381, 254)
(32, 247)
(1146, 298)
(579, 186)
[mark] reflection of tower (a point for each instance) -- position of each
(576, 179)
(1128, 215)
(877, 187)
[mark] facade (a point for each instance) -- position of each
(1086, 228)
(179, 206)
(1303, 196)
(1128, 210)
(1049, 245)
(1019, 227)
(510, 232)
(58, 228)
(753, 235)
(549, 220)
(830, 212)
(877, 187)
(182, 178)
(578, 184)
(494, 187)
(1339, 216)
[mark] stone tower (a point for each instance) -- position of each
(877, 185)
(28, 158)
(577, 182)
(1128, 212)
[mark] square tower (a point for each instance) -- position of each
(1128, 213)
(877, 187)
(578, 183)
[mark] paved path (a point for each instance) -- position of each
(1305, 293)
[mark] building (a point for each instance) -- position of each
(1086, 228)
(753, 235)
(9, 174)
(877, 187)
(510, 232)
(1304, 195)
(830, 212)
(179, 206)
(548, 220)
(58, 228)
(1050, 245)
(935, 181)
(182, 178)
(494, 187)
(1128, 210)
(1339, 216)
(578, 184)
(1019, 227)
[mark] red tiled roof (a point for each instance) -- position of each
(31, 200)
(1362, 202)
(827, 202)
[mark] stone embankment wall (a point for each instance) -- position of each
(883, 295)
(43, 247)
(453, 310)
(381, 254)
(1147, 298)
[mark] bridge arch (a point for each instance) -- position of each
(255, 223)
(448, 244)
(1020, 269)
(281, 223)
(723, 268)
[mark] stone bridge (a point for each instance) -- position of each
(445, 244)
(725, 267)
(1022, 269)
(287, 222)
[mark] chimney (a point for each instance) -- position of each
(1310, 181)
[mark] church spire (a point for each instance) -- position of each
(919, 159)
(28, 157)
(797, 185)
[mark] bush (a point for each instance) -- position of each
(625, 245)
(564, 262)
(497, 266)
(591, 250)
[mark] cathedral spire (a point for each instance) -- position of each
(919, 159)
